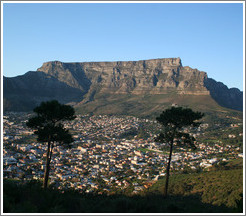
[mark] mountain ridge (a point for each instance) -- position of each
(85, 83)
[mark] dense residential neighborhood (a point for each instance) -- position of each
(109, 154)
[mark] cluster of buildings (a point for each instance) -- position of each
(100, 159)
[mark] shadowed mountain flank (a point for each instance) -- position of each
(230, 98)
(25, 92)
(127, 87)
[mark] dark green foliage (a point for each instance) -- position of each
(142, 133)
(32, 198)
(48, 122)
(179, 117)
(54, 134)
(174, 120)
(48, 126)
(128, 134)
(53, 111)
(222, 187)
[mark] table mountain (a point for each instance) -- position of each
(122, 87)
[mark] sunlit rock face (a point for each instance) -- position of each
(155, 76)
(84, 82)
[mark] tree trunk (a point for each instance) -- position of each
(47, 167)
(51, 150)
(168, 168)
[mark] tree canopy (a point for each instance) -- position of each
(48, 121)
(48, 126)
(174, 121)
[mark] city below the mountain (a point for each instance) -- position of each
(115, 151)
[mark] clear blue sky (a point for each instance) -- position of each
(206, 36)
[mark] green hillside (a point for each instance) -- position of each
(152, 105)
(217, 191)
(222, 186)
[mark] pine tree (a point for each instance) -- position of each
(49, 127)
(174, 120)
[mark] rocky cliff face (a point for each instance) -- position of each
(84, 82)
(157, 76)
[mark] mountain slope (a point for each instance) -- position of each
(133, 87)
(231, 98)
(218, 187)
(23, 93)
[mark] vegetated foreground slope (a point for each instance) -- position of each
(221, 186)
(207, 192)
(132, 88)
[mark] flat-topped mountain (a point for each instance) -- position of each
(155, 76)
(122, 87)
